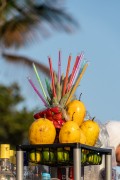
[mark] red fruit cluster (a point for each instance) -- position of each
(54, 114)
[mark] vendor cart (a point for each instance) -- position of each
(75, 152)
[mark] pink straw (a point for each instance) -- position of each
(59, 67)
(36, 90)
(66, 77)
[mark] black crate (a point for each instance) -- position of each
(62, 154)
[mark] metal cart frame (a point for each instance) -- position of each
(77, 147)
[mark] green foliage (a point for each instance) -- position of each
(14, 124)
(21, 21)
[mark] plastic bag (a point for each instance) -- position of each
(103, 139)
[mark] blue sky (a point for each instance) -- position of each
(99, 37)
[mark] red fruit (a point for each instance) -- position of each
(50, 118)
(36, 116)
(56, 124)
(55, 109)
(49, 112)
(61, 121)
(41, 114)
(57, 116)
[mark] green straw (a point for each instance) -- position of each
(37, 75)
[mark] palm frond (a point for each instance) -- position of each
(28, 61)
(26, 23)
(55, 16)
(16, 32)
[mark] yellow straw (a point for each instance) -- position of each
(37, 75)
(76, 84)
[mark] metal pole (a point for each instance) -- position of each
(77, 163)
(82, 172)
(108, 166)
(19, 165)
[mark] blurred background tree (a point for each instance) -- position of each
(22, 22)
(14, 124)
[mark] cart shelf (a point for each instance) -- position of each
(79, 155)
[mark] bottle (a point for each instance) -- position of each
(62, 173)
(5, 172)
(36, 169)
(46, 176)
(27, 173)
(13, 161)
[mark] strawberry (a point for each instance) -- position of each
(56, 124)
(49, 112)
(36, 116)
(50, 118)
(57, 116)
(41, 114)
(55, 109)
(61, 122)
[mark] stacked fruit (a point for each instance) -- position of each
(91, 158)
(94, 158)
(54, 114)
(74, 129)
(62, 155)
(77, 129)
(49, 156)
(63, 111)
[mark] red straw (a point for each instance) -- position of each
(66, 77)
(52, 76)
(72, 74)
(77, 68)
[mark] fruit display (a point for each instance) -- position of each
(58, 156)
(62, 117)
(54, 114)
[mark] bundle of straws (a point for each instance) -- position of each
(60, 90)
